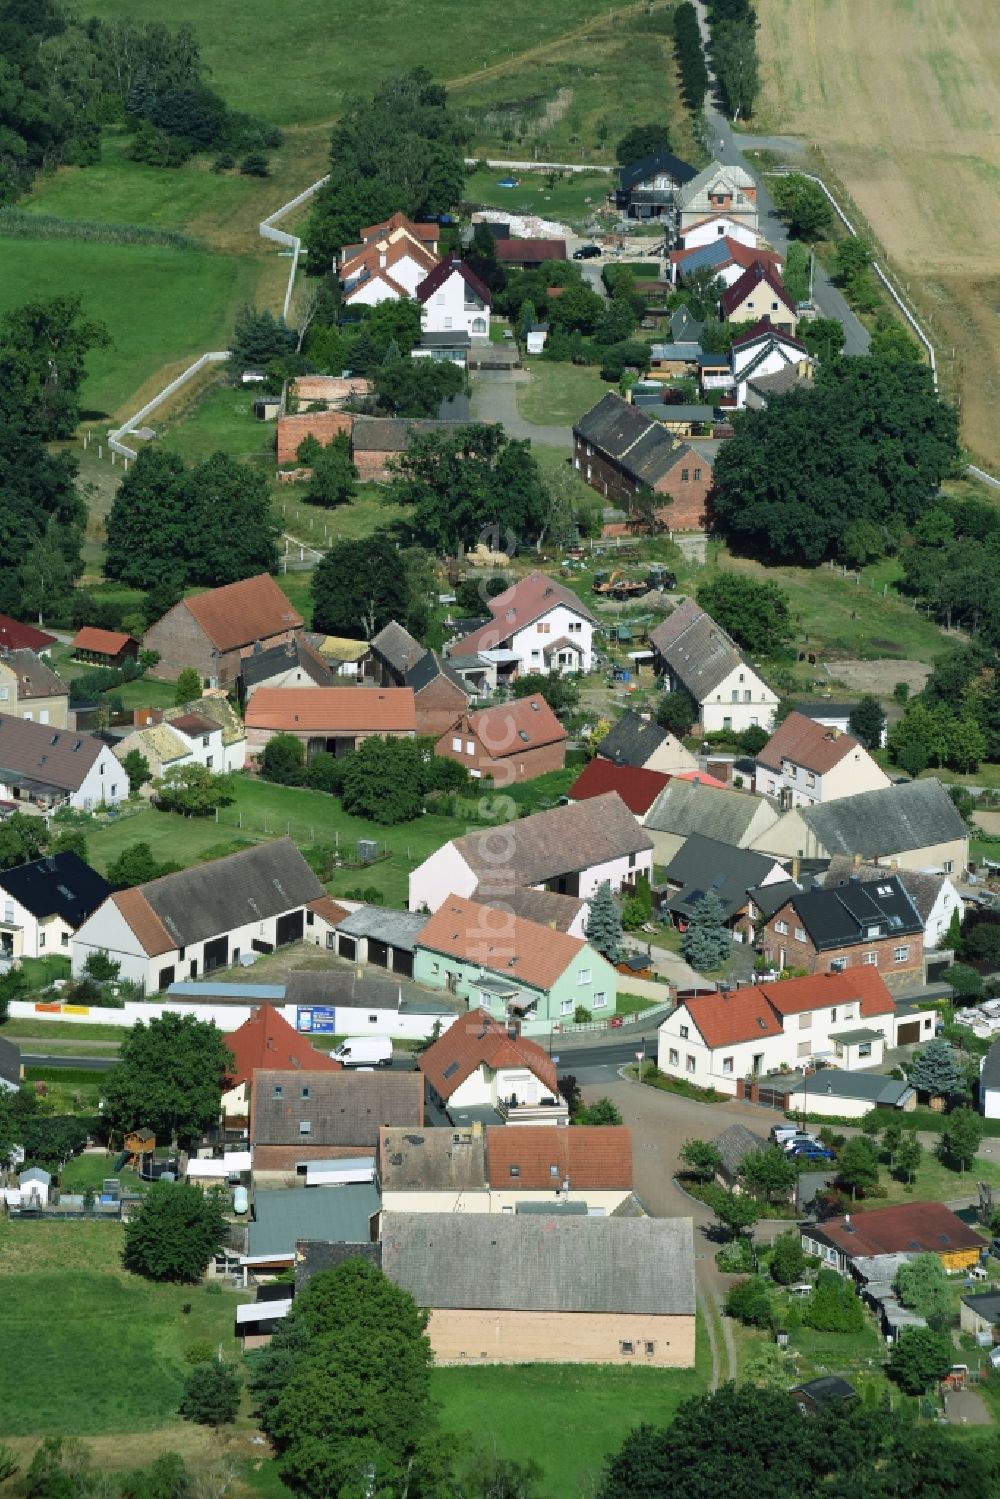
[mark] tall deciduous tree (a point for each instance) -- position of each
(474, 485)
(769, 1174)
(755, 614)
(858, 1165)
(361, 585)
(169, 1078)
(803, 205)
(211, 1394)
(193, 790)
(702, 1158)
(920, 1358)
(867, 721)
(923, 1285)
(383, 780)
(178, 1229)
(136, 767)
(640, 141)
(962, 1136)
(43, 360)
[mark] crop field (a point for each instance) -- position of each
(903, 101)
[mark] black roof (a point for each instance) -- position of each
(771, 898)
(632, 741)
(703, 864)
(848, 913)
(10, 1065)
(828, 1387)
(427, 669)
(989, 1076)
(58, 885)
(314, 1255)
(662, 161)
(262, 665)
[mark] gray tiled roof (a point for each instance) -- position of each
(343, 988)
(846, 913)
(391, 434)
(35, 678)
(228, 893)
(262, 665)
(428, 668)
(686, 807)
(397, 646)
(340, 1214)
(872, 1087)
(542, 1264)
(632, 740)
(698, 652)
(703, 864)
(560, 841)
(989, 1077)
(342, 1109)
(60, 758)
(544, 907)
(312, 1256)
(734, 1144)
(398, 928)
(898, 819)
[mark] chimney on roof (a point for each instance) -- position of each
(795, 869)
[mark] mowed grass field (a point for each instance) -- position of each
(903, 101)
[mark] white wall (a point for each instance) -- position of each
(718, 228)
(446, 312)
(855, 773)
(939, 917)
(229, 1017)
(531, 641)
(444, 873)
(719, 711)
(105, 784)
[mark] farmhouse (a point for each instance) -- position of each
(292, 663)
(506, 965)
(641, 742)
(15, 636)
(481, 1064)
(296, 1117)
(48, 767)
(330, 719)
(44, 903)
(686, 807)
(804, 763)
(440, 694)
(563, 913)
(704, 864)
(573, 1289)
(453, 299)
(830, 930)
(727, 258)
(202, 918)
(571, 850)
(696, 655)
(188, 737)
(538, 625)
(637, 788)
(765, 362)
(716, 226)
(912, 1228)
(912, 826)
(213, 631)
(30, 689)
(621, 452)
(726, 192)
(514, 741)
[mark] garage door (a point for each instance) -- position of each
(216, 954)
(402, 962)
(908, 1033)
(291, 927)
(378, 953)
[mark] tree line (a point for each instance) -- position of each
(732, 25)
(690, 56)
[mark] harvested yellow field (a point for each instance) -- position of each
(902, 99)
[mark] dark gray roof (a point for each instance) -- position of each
(543, 1264)
(432, 1160)
(921, 886)
(397, 647)
(651, 166)
(343, 988)
(397, 928)
(262, 665)
(989, 1076)
(35, 677)
(854, 912)
(232, 892)
(734, 1144)
(38, 754)
(312, 1256)
(896, 820)
(684, 326)
(683, 413)
(342, 1108)
(58, 885)
(391, 434)
(872, 1087)
(698, 652)
(985, 1305)
(544, 907)
(457, 338)
(829, 1387)
(428, 669)
(704, 864)
(640, 446)
(771, 898)
(282, 1217)
(553, 1209)
(687, 807)
(632, 740)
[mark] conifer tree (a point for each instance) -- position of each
(604, 924)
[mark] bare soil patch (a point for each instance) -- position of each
(878, 677)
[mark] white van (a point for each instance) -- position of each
(364, 1051)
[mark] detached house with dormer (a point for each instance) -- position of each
(389, 263)
(718, 190)
(766, 361)
(454, 300)
(804, 763)
(538, 625)
(694, 654)
(759, 293)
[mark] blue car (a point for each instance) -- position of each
(509, 182)
(812, 1153)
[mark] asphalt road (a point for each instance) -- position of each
(60, 1060)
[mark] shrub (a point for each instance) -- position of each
(749, 1302)
(255, 164)
(736, 1257)
(200, 1352)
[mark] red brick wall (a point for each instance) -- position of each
(181, 642)
(323, 425)
(438, 705)
(689, 511)
(804, 954)
(517, 767)
(373, 468)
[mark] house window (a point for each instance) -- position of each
(684, 475)
(535, 655)
(373, 1020)
(515, 1171)
(684, 1032)
(800, 935)
(310, 918)
(865, 1049)
(781, 927)
(674, 1057)
(41, 939)
(209, 761)
(837, 965)
(649, 1349)
(305, 1092)
(554, 1171)
(599, 1000)
(114, 788)
(456, 745)
(545, 629)
(627, 1348)
(804, 1048)
(697, 474)
(689, 1063)
(278, 1090)
(566, 1007)
(900, 954)
(747, 695)
(631, 861)
(833, 1017)
(870, 959)
(805, 1021)
(305, 1127)
(64, 939)
(470, 747)
(4, 694)
(948, 866)
(727, 1064)
(583, 977)
(736, 696)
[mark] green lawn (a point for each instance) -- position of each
(559, 394)
(570, 200)
(936, 1182)
(87, 1348)
(567, 1417)
(221, 419)
(162, 306)
(59, 1030)
(300, 63)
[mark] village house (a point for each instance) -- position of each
(723, 1040)
(538, 625)
(45, 902)
(571, 850)
(46, 767)
(483, 1065)
(292, 663)
(453, 299)
(911, 1228)
(766, 362)
(507, 966)
(103, 647)
(639, 741)
(330, 719)
(378, 442)
(804, 763)
(696, 655)
(830, 930)
(734, 1145)
(337, 1222)
(299, 1117)
(391, 654)
(702, 865)
(514, 741)
(573, 1290)
(934, 896)
(563, 913)
(913, 825)
(834, 715)
(727, 258)
(185, 736)
(213, 631)
(989, 1083)
(389, 263)
(202, 918)
(647, 189)
(15, 636)
(685, 807)
(638, 788)
(716, 226)
(440, 694)
(29, 688)
(719, 191)
(292, 431)
(266, 1040)
(759, 293)
(671, 361)
(621, 452)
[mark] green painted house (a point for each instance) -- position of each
(512, 967)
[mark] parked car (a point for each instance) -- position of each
(798, 1139)
(364, 1052)
(812, 1153)
(782, 1132)
(587, 252)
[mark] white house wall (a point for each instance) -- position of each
(720, 711)
(228, 1017)
(531, 641)
(714, 229)
(446, 311)
(444, 873)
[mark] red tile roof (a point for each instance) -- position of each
(15, 636)
(913, 1227)
(144, 922)
(328, 910)
(790, 996)
(806, 742)
(638, 788)
(522, 951)
(594, 1157)
(701, 776)
(333, 710)
(525, 601)
(267, 1040)
(475, 1040)
(752, 277)
(421, 232)
(513, 251)
(239, 614)
(725, 1019)
(739, 254)
(510, 728)
(440, 274)
(106, 642)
